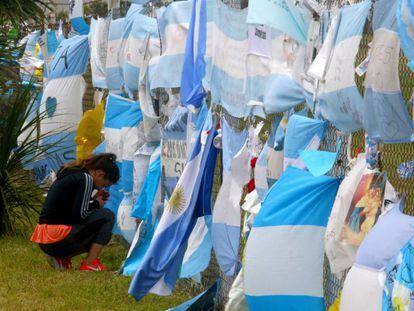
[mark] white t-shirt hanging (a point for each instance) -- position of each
(260, 40)
(363, 290)
(341, 254)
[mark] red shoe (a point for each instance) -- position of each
(59, 263)
(95, 265)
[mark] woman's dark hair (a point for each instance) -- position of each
(102, 161)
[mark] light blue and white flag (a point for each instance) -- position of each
(302, 133)
(59, 34)
(260, 173)
(132, 13)
(385, 112)
(139, 1)
(284, 254)
(142, 161)
(76, 17)
(174, 149)
(143, 26)
(227, 46)
(197, 256)
(98, 42)
(122, 117)
(201, 302)
(274, 80)
(269, 164)
(405, 20)
(198, 253)
(71, 58)
(192, 92)
(30, 47)
(62, 97)
(30, 61)
(132, 139)
(127, 224)
(145, 200)
(148, 208)
(251, 83)
(226, 212)
(141, 242)
(114, 78)
(165, 70)
(152, 129)
(48, 45)
(282, 15)
(160, 266)
(339, 99)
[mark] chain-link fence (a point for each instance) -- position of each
(391, 156)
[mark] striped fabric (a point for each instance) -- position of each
(114, 79)
(302, 133)
(385, 112)
(135, 49)
(62, 98)
(98, 42)
(76, 17)
(226, 212)
(405, 17)
(160, 266)
(284, 253)
(148, 208)
(165, 70)
(339, 98)
(122, 117)
(281, 15)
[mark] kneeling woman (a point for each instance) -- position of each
(73, 222)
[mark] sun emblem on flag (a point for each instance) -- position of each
(176, 203)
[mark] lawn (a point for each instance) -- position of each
(27, 282)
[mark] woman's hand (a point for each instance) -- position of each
(101, 196)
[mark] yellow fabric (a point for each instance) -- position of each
(88, 135)
(38, 71)
(336, 304)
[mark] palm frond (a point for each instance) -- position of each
(19, 12)
(21, 144)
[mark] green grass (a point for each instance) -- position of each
(27, 282)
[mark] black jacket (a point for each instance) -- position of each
(69, 199)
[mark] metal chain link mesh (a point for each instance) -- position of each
(391, 156)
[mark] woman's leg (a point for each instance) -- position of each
(96, 232)
(94, 252)
(66, 248)
(90, 237)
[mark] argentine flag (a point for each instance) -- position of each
(284, 253)
(197, 256)
(122, 117)
(29, 62)
(385, 112)
(160, 266)
(339, 98)
(405, 20)
(148, 208)
(114, 78)
(135, 49)
(192, 92)
(226, 214)
(62, 98)
(165, 70)
(76, 17)
(98, 42)
(281, 15)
